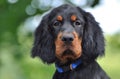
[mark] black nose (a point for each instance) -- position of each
(67, 38)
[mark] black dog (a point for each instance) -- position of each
(72, 39)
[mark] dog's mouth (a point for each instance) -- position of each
(68, 52)
(68, 55)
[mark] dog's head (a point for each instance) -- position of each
(68, 33)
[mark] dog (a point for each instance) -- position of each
(72, 39)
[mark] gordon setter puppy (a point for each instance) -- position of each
(71, 38)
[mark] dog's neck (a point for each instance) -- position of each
(68, 67)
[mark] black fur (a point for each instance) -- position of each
(92, 44)
(44, 43)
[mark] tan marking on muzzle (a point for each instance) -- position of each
(59, 45)
(75, 46)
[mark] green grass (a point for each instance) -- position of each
(111, 64)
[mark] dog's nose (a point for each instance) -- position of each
(67, 38)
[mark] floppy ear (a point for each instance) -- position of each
(93, 39)
(44, 43)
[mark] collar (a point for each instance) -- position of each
(72, 66)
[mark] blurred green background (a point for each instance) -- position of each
(18, 20)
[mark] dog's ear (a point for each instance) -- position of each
(93, 39)
(44, 43)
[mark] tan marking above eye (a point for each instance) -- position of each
(73, 17)
(59, 18)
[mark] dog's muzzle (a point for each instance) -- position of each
(68, 46)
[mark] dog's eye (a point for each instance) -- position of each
(77, 23)
(57, 23)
